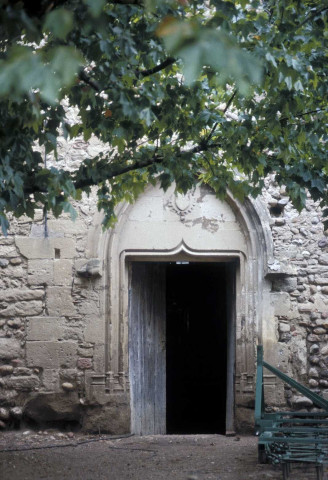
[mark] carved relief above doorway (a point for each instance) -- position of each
(182, 204)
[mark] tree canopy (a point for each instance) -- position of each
(223, 92)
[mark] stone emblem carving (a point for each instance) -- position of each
(182, 204)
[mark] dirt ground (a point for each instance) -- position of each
(54, 455)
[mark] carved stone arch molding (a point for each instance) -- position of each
(198, 227)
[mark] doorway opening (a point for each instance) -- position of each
(196, 348)
(182, 339)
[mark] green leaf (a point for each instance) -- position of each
(271, 59)
(147, 115)
(191, 56)
(95, 6)
(173, 92)
(59, 22)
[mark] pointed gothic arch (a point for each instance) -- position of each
(198, 228)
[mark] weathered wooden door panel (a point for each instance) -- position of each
(147, 356)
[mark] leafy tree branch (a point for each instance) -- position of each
(108, 61)
(166, 63)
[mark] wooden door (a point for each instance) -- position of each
(147, 355)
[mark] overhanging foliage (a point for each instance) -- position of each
(177, 92)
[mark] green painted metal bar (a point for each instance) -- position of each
(314, 415)
(298, 429)
(259, 391)
(316, 399)
(297, 421)
(288, 437)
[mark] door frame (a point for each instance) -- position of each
(183, 253)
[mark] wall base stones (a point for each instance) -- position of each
(46, 408)
(112, 417)
(244, 422)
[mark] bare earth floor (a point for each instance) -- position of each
(53, 455)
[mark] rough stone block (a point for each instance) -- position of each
(15, 271)
(305, 307)
(85, 351)
(313, 383)
(23, 384)
(315, 348)
(63, 272)
(244, 420)
(38, 231)
(323, 259)
(22, 371)
(288, 284)
(52, 407)
(7, 240)
(59, 302)
(88, 308)
(8, 251)
(22, 309)
(9, 348)
(50, 379)
(68, 387)
(84, 363)
(301, 402)
(66, 226)
(319, 331)
(15, 323)
(282, 305)
(320, 303)
(4, 414)
(8, 396)
(16, 412)
(320, 280)
(51, 354)
(94, 331)
(65, 247)
(299, 357)
(35, 247)
(284, 327)
(91, 268)
(322, 323)
(68, 375)
(19, 294)
(6, 370)
(38, 248)
(44, 329)
(313, 338)
(40, 272)
(113, 417)
(313, 372)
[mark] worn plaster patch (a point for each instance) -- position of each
(210, 224)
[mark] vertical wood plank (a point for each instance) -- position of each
(147, 355)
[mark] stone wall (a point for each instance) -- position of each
(299, 277)
(49, 319)
(52, 312)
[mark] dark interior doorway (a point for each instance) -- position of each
(182, 347)
(197, 310)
